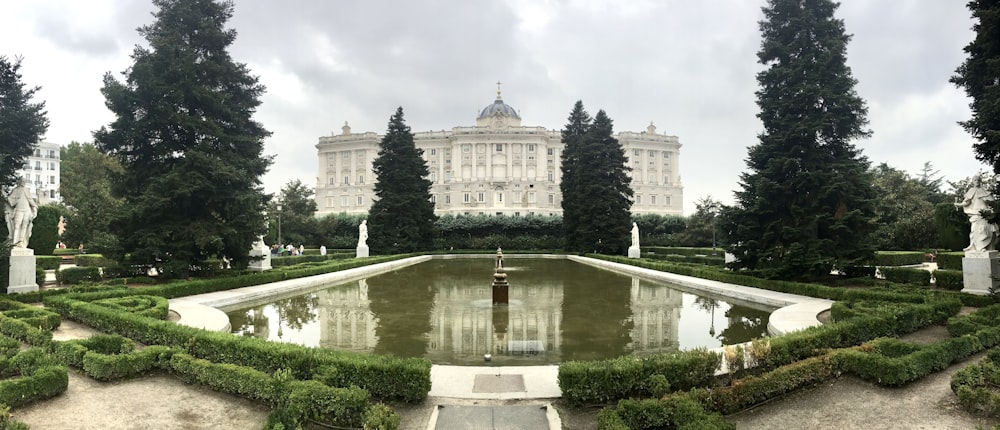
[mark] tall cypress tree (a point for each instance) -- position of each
(402, 217)
(192, 154)
(597, 194)
(978, 75)
(574, 138)
(806, 203)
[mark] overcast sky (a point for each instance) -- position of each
(687, 66)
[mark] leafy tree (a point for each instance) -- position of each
(596, 188)
(904, 211)
(978, 77)
(701, 226)
(45, 230)
(298, 210)
(22, 123)
(86, 189)
(806, 203)
(402, 217)
(337, 230)
(658, 230)
(184, 134)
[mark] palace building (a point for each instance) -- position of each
(496, 167)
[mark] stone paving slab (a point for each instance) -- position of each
(498, 383)
(527, 417)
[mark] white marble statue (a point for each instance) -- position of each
(363, 233)
(635, 235)
(982, 235)
(21, 211)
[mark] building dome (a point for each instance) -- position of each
(498, 107)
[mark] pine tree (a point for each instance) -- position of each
(574, 138)
(596, 188)
(22, 123)
(192, 154)
(402, 217)
(979, 75)
(806, 204)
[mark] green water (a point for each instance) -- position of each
(559, 310)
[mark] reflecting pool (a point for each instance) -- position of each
(559, 310)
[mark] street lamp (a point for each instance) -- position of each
(279, 224)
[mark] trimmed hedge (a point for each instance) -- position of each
(48, 262)
(950, 260)
(977, 385)
(949, 279)
(144, 305)
(902, 275)
(753, 390)
(38, 377)
(76, 275)
(681, 250)
(899, 258)
(618, 378)
(671, 412)
(92, 260)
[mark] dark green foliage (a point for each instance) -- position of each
(976, 385)
(977, 76)
(22, 123)
(658, 230)
(605, 380)
(380, 417)
(85, 188)
(48, 262)
(38, 376)
(191, 153)
(806, 203)
(149, 306)
(902, 275)
(402, 217)
(950, 260)
(76, 275)
(337, 230)
(754, 390)
(949, 279)
(892, 362)
(952, 226)
(701, 225)
(904, 211)
(596, 190)
(45, 230)
(488, 232)
(672, 412)
(298, 223)
(859, 271)
(899, 258)
(343, 407)
(92, 260)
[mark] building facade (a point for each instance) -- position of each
(496, 167)
(41, 172)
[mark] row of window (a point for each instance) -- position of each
(650, 153)
(51, 153)
(652, 200)
(466, 198)
(38, 165)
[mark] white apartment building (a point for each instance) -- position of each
(41, 172)
(495, 167)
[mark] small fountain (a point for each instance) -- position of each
(500, 285)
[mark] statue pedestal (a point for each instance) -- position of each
(634, 252)
(362, 251)
(260, 259)
(980, 270)
(22, 271)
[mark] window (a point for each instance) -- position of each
(466, 148)
(52, 179)
(447, 176)
(636, 152)
(652, 200)
(531, 147)
(638, 199)
(447, 199)
(343, 200)
(434, 177)
(52, 166)
(52, 153)
(482, 197)
(361, 179)
(346, 155)
(481, 149)
(52, 194)
(447, 153)
(434, 151)
(549, 151)
(361, 200)
(531, 197)
(517, 196)
(38, 165)
(666, 180)
(466, 197)
(499, 147)
(666, 155)
(347, 180)
(500, 197)
(433, 199)
(551, 175)
(332, 180)
(651, 153)
(652, 178)
(666, 200)
(552, 199)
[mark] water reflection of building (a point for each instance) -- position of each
(346, 321)
(656, 314)
(463, 331)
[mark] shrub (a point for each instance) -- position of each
(752, 390)
(91, 260)
(671, 412)
(617, 378)
(76, 275)
(950, 260)
(899, 258)
(859, 271)
(39, 377)
(48, 262)
(380, 417)
(110, 367)
(342, 407)
(45, 233)
(901, 275)
(949, 279)
(39, 276)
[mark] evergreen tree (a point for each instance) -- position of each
(22, 123)
(402, 217)
(806, 203)
(192, 154)
(596, 188)
(86, 189)
(978, 75)
(574, 138)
